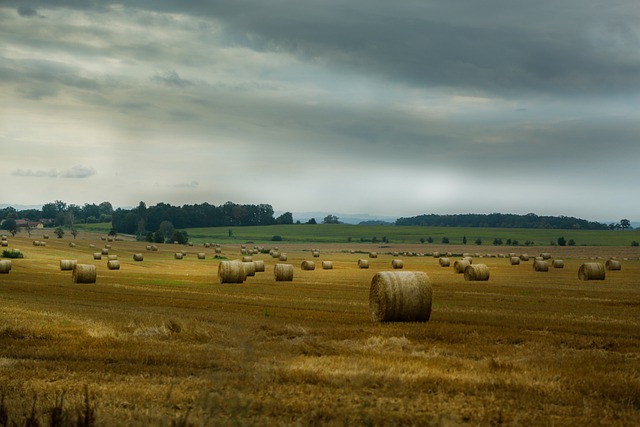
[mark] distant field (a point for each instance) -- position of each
(341, 233)
(161, 342)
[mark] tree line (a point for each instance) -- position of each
(498, 220)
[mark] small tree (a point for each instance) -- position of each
(429, 239)
(634, 243)
(312, 221)
(331, 219)
(11, 226)
(562, 241)
(445, 240)
(59, 232)
(464, 240)
(625, 223)
(478, 241)
(74, 233)
(571, 242)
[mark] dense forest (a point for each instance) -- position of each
(498, 220)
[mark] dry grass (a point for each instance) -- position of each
(162, 341)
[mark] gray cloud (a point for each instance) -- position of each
(171, 78)
(28, 12)
(77, 172)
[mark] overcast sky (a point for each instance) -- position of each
(387, 108)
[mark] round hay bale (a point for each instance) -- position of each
(105, 251)
(231, 272)
(178, 255)
(5, 243)
(247, 259)
(249, 268)
(436, 254)
(468, 259)
(397, 264)
(327, 265)
(545, 255)
(107, 246)
(259, 265)
(515, 260)
(524, 257)
(148, 247)
(282, 257)
(558, 263)
(154, 248)
(45, 236)
(138, 257)
(476, 272)
(308, 265)
(400, 296)
(84, 273)
(36, 243)
(202, 255)
(189, 243)
(97, 255)
(218, 250)
(540, 265)
(591, 271)
(72, 245)
(5, 266)
(444, 262)
(275, 254)
(67, 264)
(363, 263)
(613, 265)
(460, 265)
(113, 264)
(112, 257)
(315, 253)
(283, 272)
(373, 255)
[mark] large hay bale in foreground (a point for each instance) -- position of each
(444, 262)
(363, 263)
(558, 263)
(308, 265)
(283, 272)
(231, 272)
(67, 264)
(259, 265)
(397, 264)
(400, 296)
(113, 264)
(540, 265)
(476, 272)
(591, 271)
(5, 266)
(460, 265)
(613, 265)
(327, 265)
(84, 273)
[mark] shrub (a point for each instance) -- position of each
(12, 254)
(276, 238)
(634, 243)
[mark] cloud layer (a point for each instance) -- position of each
(365, 107)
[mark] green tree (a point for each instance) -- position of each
(464, 240)
(74, 232)
(625, 223)
(312, 221)
(11, 226)
(167, 229)
(562, 241)
(445, 240)
(331, 219)
(478, 241)
(285, 218)
(59, 232)
(180, 236)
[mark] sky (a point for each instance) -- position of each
(364, 107)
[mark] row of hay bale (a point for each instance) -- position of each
(3, 241)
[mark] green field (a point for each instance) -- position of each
(341, 233)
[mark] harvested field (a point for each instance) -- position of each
(164, 341)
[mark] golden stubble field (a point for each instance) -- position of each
(162, 342)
